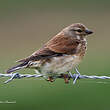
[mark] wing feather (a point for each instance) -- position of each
(63, 44)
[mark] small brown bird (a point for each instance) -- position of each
(59, 55)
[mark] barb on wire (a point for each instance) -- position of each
(19, 76)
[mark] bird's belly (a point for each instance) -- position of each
(58, 65)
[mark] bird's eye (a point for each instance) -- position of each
(79, 30)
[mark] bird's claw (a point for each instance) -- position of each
(50, 79)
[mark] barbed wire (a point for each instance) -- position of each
(74, 76)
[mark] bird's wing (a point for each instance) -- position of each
(57, 46)
(42, 53)
(63, 44)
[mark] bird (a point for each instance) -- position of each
(60, 55)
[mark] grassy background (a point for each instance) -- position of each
(26, 24)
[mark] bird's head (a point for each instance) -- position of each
(77, 29)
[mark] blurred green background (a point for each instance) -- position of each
(25, 25)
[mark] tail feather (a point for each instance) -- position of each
(17, 67)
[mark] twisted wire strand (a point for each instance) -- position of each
(19, 76)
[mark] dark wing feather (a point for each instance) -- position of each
(57, 46)
(42, 53)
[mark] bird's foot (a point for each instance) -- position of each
(50, 79)
(66, 78)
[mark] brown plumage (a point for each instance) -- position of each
(62, 53)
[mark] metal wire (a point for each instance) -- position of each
(19, 76)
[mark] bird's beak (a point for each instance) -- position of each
(88, 31)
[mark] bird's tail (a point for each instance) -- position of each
(17, 67)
